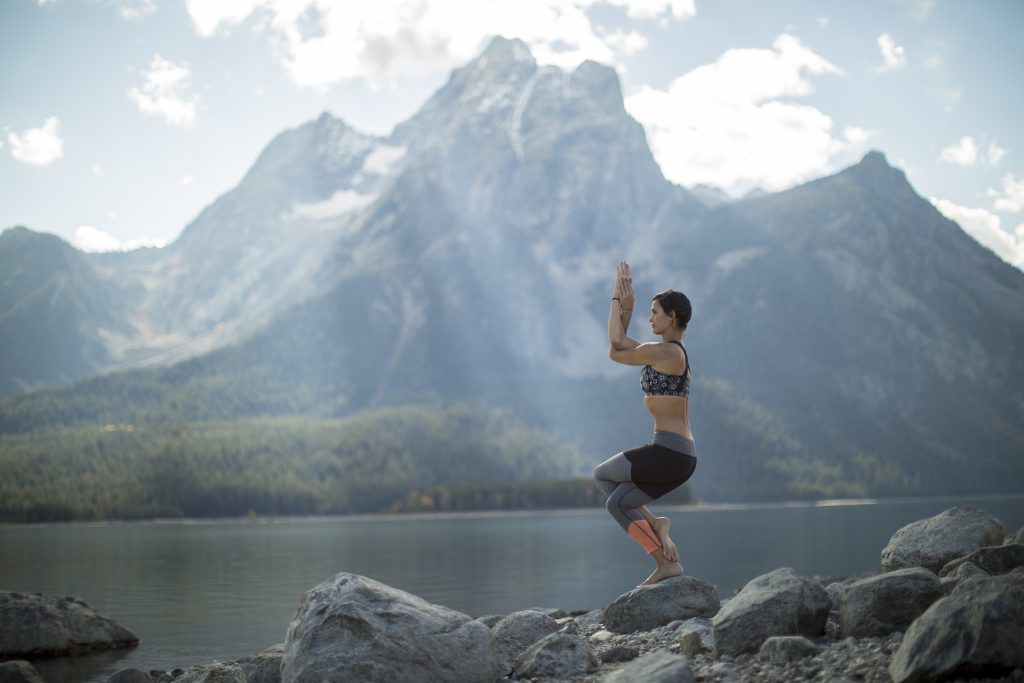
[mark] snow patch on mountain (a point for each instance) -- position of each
(338, 204)
(383, 159)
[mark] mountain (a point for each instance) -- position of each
(847, 339)
(56, 311)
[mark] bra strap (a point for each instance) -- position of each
(686, 356)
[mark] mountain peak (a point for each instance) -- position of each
(874, 172)
(599, 82)
(503, 51)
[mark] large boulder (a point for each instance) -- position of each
(37, 626)
(776, 604)
(354, 628)
(881, 604)
(518, 631)
(1000, 559)
(659, 666)
(556, 655)
(1016, 537)
(647, 607)
(974, 632)
(932, 542)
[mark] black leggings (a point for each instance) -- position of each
(638, 476)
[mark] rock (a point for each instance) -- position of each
(556, 655)
(19, 671)
(131, 676)
(835, 590)
(1015, 538)
(36, 626)
(964, 570)
(489, 620)
(619, 653)
(782, 649)
(602, 636)
(776, 604)
(932, 542)
(976, 631)
(354, 628)
(656, 667)
(690, 643)
(216, 673)
(879, 605)
(1000, 559)
(592, 618)
(648, 607)
(518, 631)
(266, 666)
(553, 612)
(569, 625)
(948, 584)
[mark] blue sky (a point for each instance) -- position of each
(123, 119)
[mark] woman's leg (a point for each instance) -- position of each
(661, 527)
(613, 478)
(624, 505)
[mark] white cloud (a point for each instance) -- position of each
(187, 180)
(626, 43)
(985, 227)
(44, 3)
(1011, 197)
(892, 54)
(652, 9)
(166, 93)
(857, 136)
(88, 238)
(99, 172)
(964, 152)
(733, 124)
(920, 9)
(995, 153)
(136, 9)
(37, 146)
(322, 42)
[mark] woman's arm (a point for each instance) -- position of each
(618, 315)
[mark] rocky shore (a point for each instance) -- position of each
(948, 605)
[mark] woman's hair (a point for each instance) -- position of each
(671, 302)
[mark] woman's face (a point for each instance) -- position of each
(660, 321)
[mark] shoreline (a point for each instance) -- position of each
(528, 512)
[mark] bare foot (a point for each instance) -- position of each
(664, 572)
(660, 527)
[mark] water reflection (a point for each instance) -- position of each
(200, 592)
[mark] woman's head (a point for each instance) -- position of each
(675, 305)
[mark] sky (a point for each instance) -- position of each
(122, 119)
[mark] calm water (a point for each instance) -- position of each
(201, 592)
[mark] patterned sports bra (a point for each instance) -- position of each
(656, 383)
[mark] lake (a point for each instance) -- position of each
(198, 592)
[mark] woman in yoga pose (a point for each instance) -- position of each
(633, 478)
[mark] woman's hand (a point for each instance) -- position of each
(624, 286)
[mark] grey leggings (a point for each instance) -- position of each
(638, 476)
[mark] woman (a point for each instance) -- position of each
(633, 478)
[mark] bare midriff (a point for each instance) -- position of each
(670, 414)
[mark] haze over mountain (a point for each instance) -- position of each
(846, 337)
